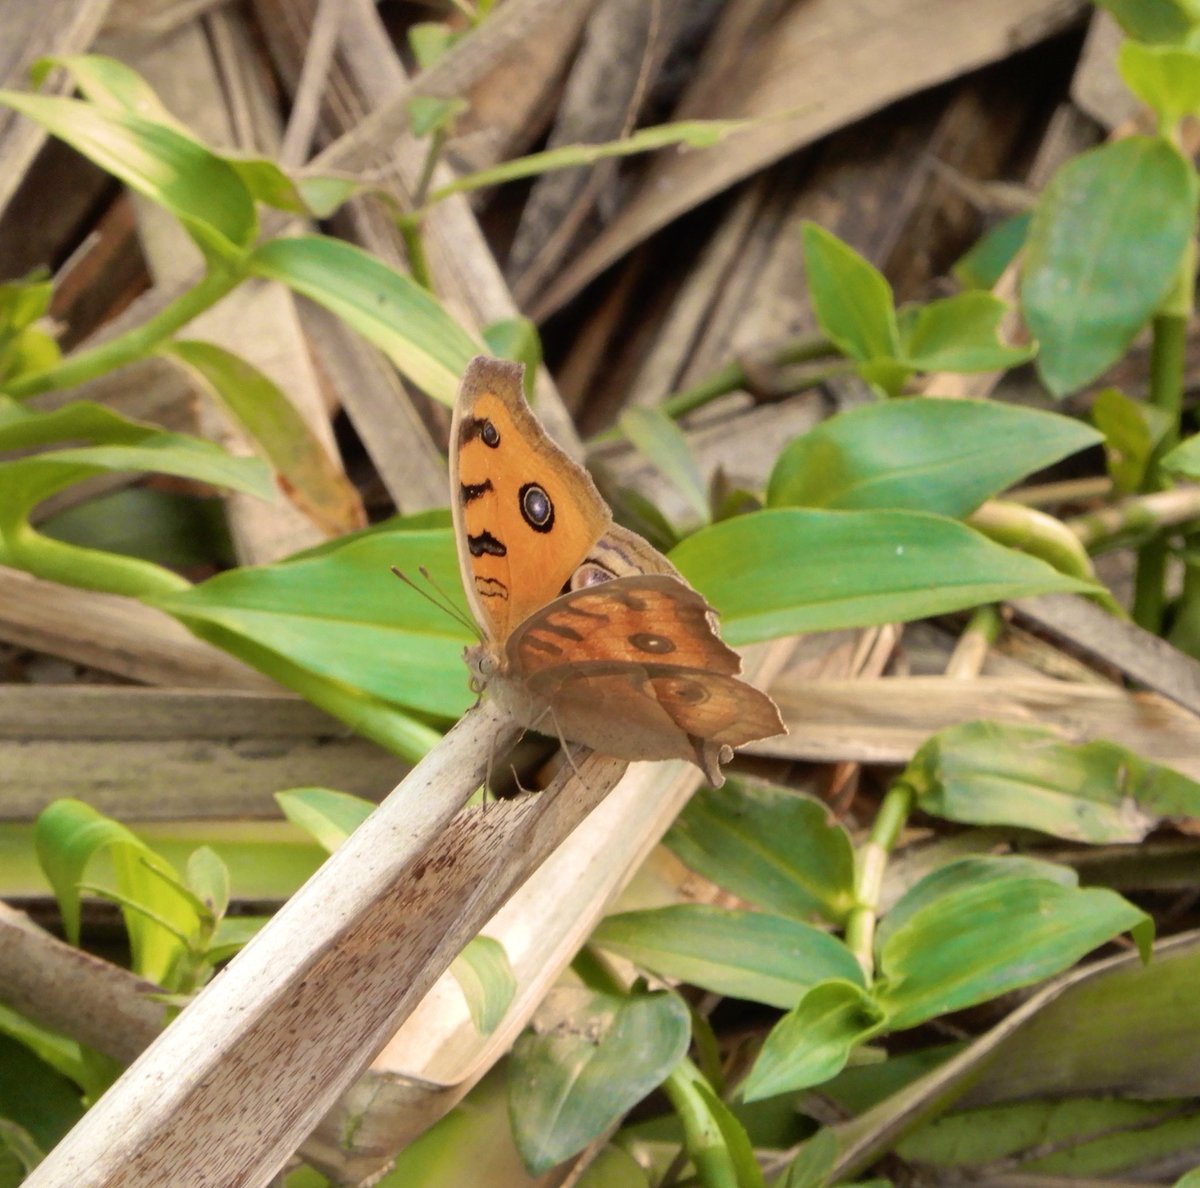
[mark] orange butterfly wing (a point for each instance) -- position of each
(525, 515)
(633, 668)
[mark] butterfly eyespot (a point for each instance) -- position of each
(658, 645)
(536, 508)
(691, 692)
(588, 574)
(489, 433)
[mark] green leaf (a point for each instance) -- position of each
(692, 133)
(806, 570)
(1086, 1140)
(992, 938)
(587, 1060)
(1189, 1179)
(307, 472)
(35, 1096)
(1131, 431)
(1184, 459)
(386, 307)
(852, 300)
(813, 1164)
(171, 169)
(1103, 250)
(741, 954)
(1154, 20)
(208, 880)
(24, 348)
(969, 872)
(661, 442)
(775, 848)
(984, 264)
(487, 981)
(943, 456)
(614, 1167)
(428, 114)
(89, 1070)
(985, 773)
(328, 816)
(1165, 78)
(429, 41)
(114, 87)
(961, 333)
(232, 934)
(813, 1041)
(69, 836)
(336, 626)
(120, 444)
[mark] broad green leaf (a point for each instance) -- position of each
(429, 41)
(1156, 21)
(307, 473)
(1131, 432)
(24, 348)
(328, 816)
(614, 1167)
(961, 333)
(852, 300)
(985, 773)
(971, 872)
(813, 1041)
(587, 1059)
(114, 87)
(336, 626)
(786, 570)
(1085, 1140)
(1189, 1179)
(1184, 459)
(171, 169)
(1103, 250)
(690, 133)
(741, 954)
(386, 307)
(1165, 78)
(813, 1165)
(992, 938)
(662, 443)
(120, 444)
(944, 456)
(984, 264)
(111, 86)
(69, 836)
(35, 1097)
(428, 113)
(487, 981)
(775, 848)
(208, 880)
(91, 1071)
(232, 934)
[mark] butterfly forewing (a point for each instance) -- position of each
(525, 515)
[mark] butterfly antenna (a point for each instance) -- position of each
(442, 602)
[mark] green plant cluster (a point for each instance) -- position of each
(889, 512)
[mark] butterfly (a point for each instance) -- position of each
(587, 630)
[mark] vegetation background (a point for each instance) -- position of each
(878, 317)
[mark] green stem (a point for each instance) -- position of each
(743, 373)
(89, 569)
(860, 924)
(414, 247)
(706, 1145)
(135, 344)
(1166, 392)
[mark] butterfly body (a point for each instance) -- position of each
(589, 632)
